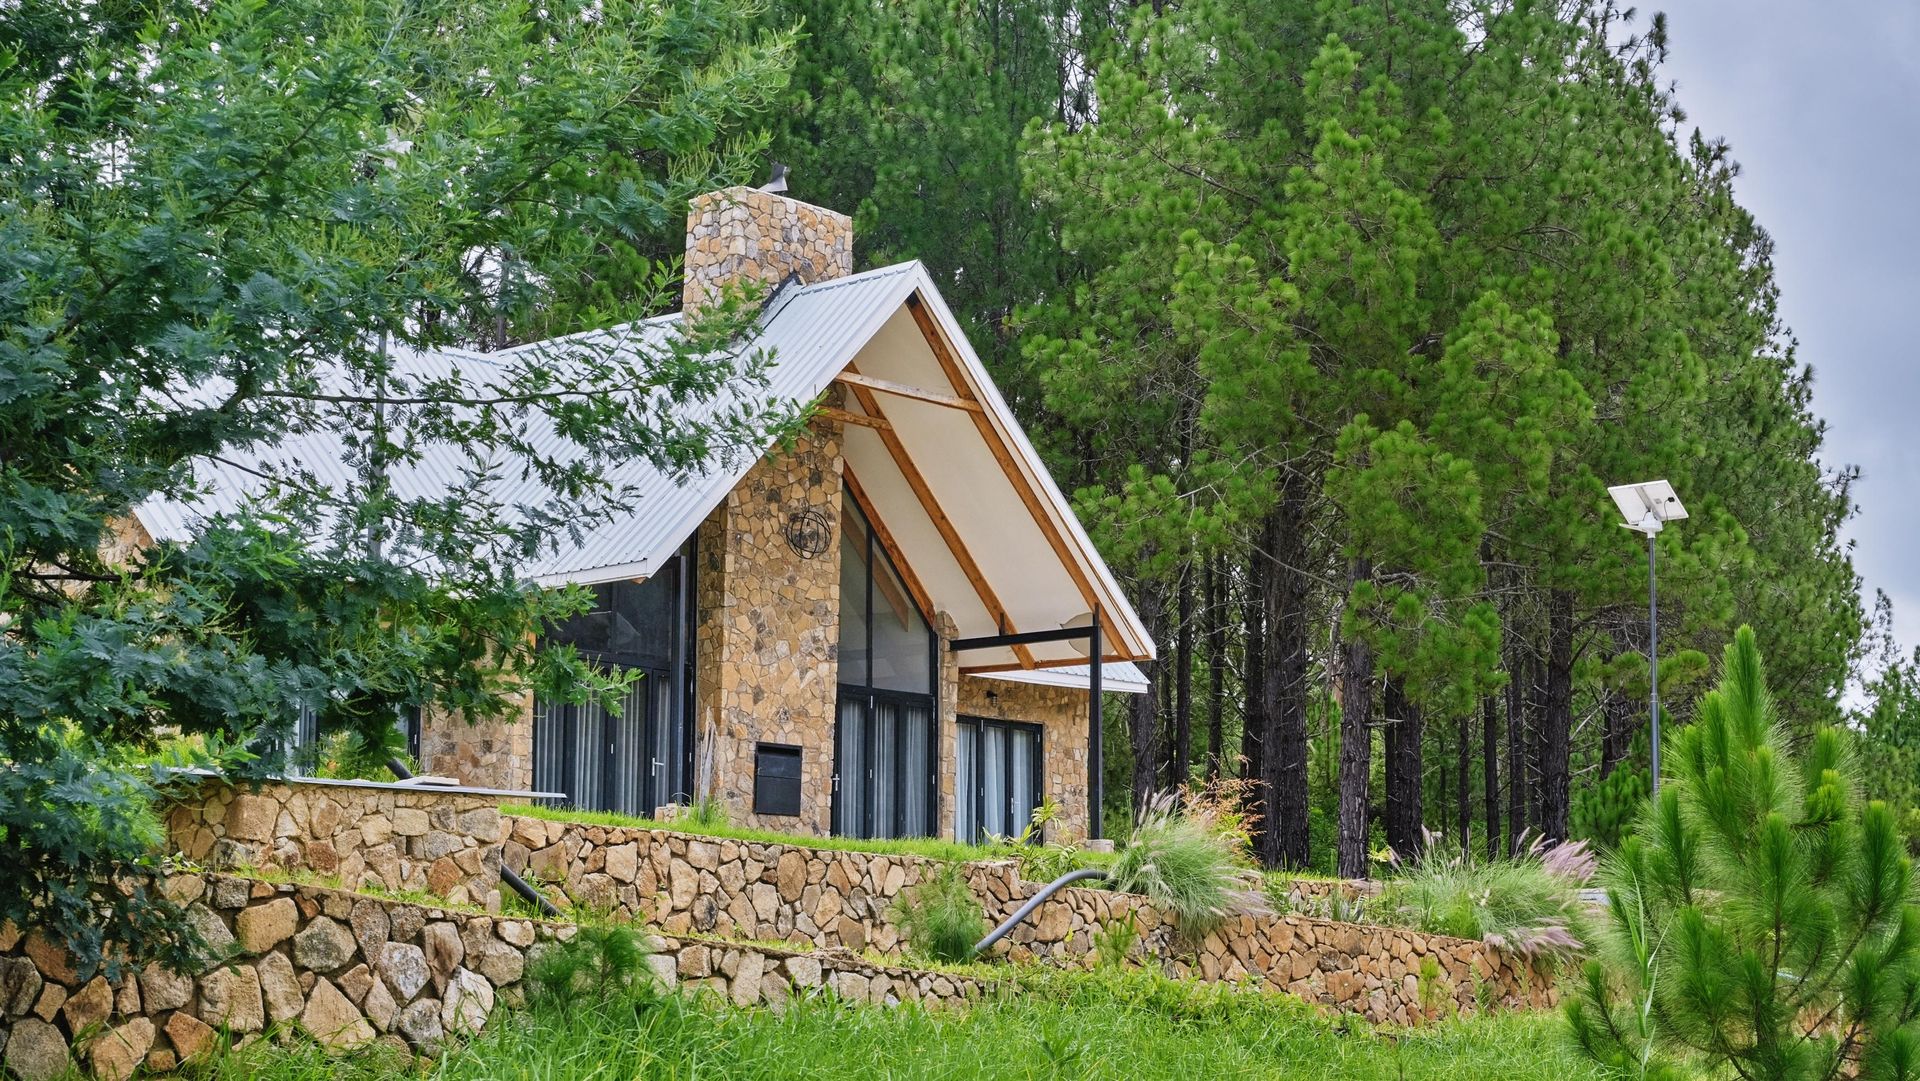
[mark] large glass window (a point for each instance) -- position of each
(884, 760)
(631, 756)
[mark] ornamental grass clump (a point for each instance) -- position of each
(1189, 856)
(941, 916)
(1529, 904)
(1764, 918)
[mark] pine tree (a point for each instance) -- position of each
(1765, 918)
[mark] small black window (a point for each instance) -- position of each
(776, 779)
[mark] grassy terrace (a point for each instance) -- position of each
(927, 847)
(1058, 1025)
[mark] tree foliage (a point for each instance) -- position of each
(220, 224)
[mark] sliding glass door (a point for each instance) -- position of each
(885, 763)
(634, 755)
(997, 774)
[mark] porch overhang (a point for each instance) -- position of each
(970, 512)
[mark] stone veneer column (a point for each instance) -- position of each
(490, 754)
(746, 235)
(768, 634)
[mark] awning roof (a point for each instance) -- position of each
(930, 445)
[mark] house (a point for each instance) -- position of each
(884, 630)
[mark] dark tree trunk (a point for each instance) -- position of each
(1216, 668)
(1536, 706)
(1283, 687)
(1180, 755)
(1356, 741)
(1490, 767)
(1617, 717)
(1253, 717)
(1143, 712)
(1557, 718)
(1516, 748)
(1404, 732)
(1463, 783)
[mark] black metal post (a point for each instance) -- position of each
(1653, 655)
(1096, 764)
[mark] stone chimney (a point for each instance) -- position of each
(745, 234)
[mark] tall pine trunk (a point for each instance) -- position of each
(1180, 755)
(1216, 667)
(1283, 684)
(1490, 768)
(1404, 733)
(1516, 746)
(1143, 713)
(1253, 716)
(1356, 740)
(1463, 782)
(1556, 736)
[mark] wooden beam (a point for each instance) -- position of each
(989, 669)
(827, 412)
(902, 390)
(902, 461)
(887, 544)
(937, 342)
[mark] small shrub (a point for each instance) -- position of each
(1529, 904)
(1191, 861)
(602, 963)
(941, 917)
(1113, 942)
(705, 813)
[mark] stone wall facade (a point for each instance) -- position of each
(689, 884)
(347, 970)
(488, 754)
(767, 632)
(746, 235)
(387, 837)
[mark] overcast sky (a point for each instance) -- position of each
(1821, 104)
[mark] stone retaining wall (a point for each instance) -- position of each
(387, 837)
(348, 970)
(685, 883)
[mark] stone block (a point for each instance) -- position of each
(230, 997)
(468, 1003)
(36, 1051)
(324, 946)
(261, 927)
(118, 1053)
(251, 817)
(279, 987)
(89, 1006)
(190, 1036)
(332, 1021)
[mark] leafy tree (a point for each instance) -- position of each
(220, 224)
(1765, 918)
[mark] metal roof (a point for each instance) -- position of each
(813, 332)
(1120, 677)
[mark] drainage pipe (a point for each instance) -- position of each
(513, 881)
(1034, 902)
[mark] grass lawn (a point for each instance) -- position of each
(1062, 1025)
(929, 847)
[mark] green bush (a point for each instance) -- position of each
(1529, 904)
(1113, 942)
(601, 963)
(1189, 858)
(941, 917)
(1764, 919)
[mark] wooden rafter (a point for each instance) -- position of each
(902, 390)
(936, 341)
(988, 669)
(827, 412)
(902, 461)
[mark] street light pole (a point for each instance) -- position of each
(1653, 656)
(1647, 508)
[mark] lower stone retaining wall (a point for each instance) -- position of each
(685, 883)
(348, 970)
(375, 836)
